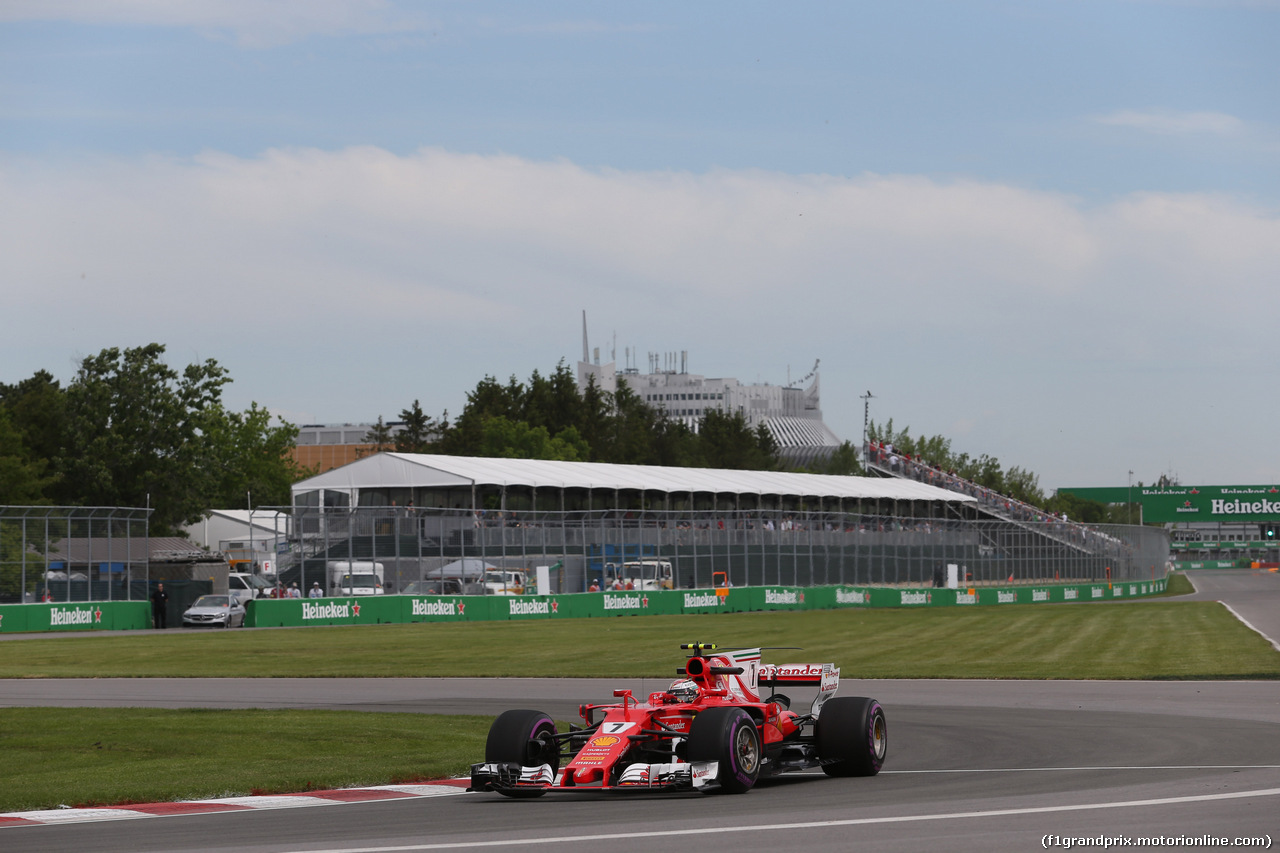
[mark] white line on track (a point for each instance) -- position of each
(1094, 769)
(1247, 624)
(817, 824)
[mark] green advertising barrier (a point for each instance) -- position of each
(76, 616)
(1213, 564)
(402, 609)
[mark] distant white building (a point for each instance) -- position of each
(791, 413)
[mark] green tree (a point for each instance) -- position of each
(380, 436)
(248, 458)
(508, 439)
(726, 440)
(489, 399)
(133, 434)
(139, 433)
(845, 460)
(553, 402)
(37, 407)
(16, 556)
(1023, 485)
(1078, 509)
(419, 433)
(22, 480)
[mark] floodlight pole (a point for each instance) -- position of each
(1131, 497)
(866, 416)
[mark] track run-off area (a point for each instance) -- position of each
(972, 765)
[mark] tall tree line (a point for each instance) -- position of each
(129, 430)
(1018, 483)
(547, 417)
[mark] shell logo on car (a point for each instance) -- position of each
(605, 740)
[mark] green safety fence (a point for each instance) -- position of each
(81, 616)
(371, 610)
(387, 609)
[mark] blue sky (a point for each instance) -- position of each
(1047, 230)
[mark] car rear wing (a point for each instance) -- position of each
(741, 674)
(824, 676)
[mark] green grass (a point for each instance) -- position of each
(78, 756)
(97, 756)
(1124, 640)
(1178, 585)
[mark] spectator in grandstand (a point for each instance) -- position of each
(316, 592)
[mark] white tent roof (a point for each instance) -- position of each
(410, 470)
(467, 568)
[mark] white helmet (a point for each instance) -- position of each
(684, 689)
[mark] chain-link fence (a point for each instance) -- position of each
(53, 553)
(743, 548)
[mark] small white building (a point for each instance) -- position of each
(249, 538)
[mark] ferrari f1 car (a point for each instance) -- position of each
(710, 731)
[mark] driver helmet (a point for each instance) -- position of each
(683, 689)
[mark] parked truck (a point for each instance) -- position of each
(356, 577)
(640, 574)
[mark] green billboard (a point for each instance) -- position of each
(1186, 504)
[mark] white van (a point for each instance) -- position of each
(356, 577)
(246, 587)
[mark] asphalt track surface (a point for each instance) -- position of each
(973, 765)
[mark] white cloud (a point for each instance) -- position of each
(583, 27)
(346, 283)
(306, 226)
(252, 23)
(1170, 123)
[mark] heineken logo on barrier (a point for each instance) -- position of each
(701, 599)
(783, 596)
(916, 597)
(1006, 597)
(966, 597)
(519, 607)
(1070, 594)
(422, 607)
(1238, 507)
(62, 616)
(329, 610)
(625, 602)
(1039, 595)
(1097, 592)
(851, 596)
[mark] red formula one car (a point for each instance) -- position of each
(711, 730)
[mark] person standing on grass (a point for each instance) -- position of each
(159, 607)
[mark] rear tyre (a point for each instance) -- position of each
(852, 736)
(525, 738)
(729, 736)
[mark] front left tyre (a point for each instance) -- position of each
(525, 738)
